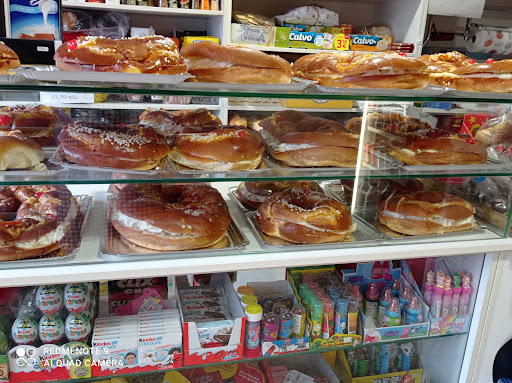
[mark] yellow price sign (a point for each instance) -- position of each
(342, 42)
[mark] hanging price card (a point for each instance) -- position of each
(342, 42)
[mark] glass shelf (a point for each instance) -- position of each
(282, 356)
(273, 91)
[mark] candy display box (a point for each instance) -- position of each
(279, 291)
(50, 362)
(442, 325)
(383, 274)
(342, 371)
(194, 353)
(4, 369)
(336, 340)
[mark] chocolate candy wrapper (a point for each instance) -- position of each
(208, 314)
(215, 334)
(194, 304)
(201, 293)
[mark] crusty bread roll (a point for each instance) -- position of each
(440, 63)
(304, 216)
(419, 150)
(19, 152)
(154, 54)
(426, 212)
(388, 122)
(8, 59)
(489, 77)
(362, 70)
(211, 62)
(301, 140)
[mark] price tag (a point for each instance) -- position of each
(342, 42)
(67, 98)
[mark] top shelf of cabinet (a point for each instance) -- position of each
(137, 9)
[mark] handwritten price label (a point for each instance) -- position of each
(342, 42)
(67, 98)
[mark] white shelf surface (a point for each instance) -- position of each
(87, 266)
(304, 51)
(158, 11)
(123, 105)
(278, 108)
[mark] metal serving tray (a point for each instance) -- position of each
(272, 162)
(115, 248)
(295, 85)
(178, 168)
(428, 91)
(363, 236)
(71, 248)
(58, 159)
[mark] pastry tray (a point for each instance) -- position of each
(369, 217)
(114, 248)
(294, 85)
(363, 236)
(58, 159)
(428, 91)
(51, 167)
(70, 250)
(482, 95)
(232, 194)
(272, 162)
(386, 162)
(169, 164)
(52, 73)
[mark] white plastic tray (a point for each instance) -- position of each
(52, 73)
(69, 250)
(114, 248)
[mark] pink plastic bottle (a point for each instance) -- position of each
(429, 287)
(446, 306)
(328, 319)
(356, 293)
(464, 295)
(270, 327)
(372, 301)
(437, 298)
(456, 294)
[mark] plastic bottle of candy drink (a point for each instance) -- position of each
(278, 307)
(270, 327)
(413, 311)
(340, 319)
(395, 288)
(405, 297)
(372, 301)
(385, 298)
(299, 321)
(285, 324)
(303, 288)
(328, 319)
(356, 293)
(253, 314)
(316, 318)
(393, 313)
(352, 315)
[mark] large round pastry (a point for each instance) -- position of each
(426, 212)
(440, 64)
(441, 150)
(114, 146)
(171, 216)
(304, 216)
(8, 59)
(211, 62)
(393, 123)
(362, 70)
(301, 140)
(489, 77)
(229, 148)
(35, 220)
(39, 122)
(151, 55)
(19, 152)
(168, 124)
(254, 193)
